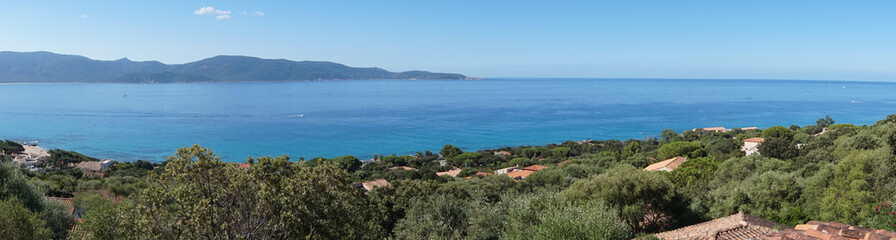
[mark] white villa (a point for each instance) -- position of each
(751, 146)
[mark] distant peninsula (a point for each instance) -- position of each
(47, 67)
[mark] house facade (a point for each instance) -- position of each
(751, 146)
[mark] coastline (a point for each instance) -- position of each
(363, 118)
(35, 151)
(247, 81)
(522, 79)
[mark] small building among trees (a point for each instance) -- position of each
(666, 165)
(751, 146)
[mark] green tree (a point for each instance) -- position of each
(778, 132)
(143, 164)
(693, 176)
(848, 197)
(560, 152)
(546, 216)
(689, 136)
(645, 200)
(522, 162)
(528, 152)
(865, 141)
(466, 158)
(684, 149)
(771, 194)
(890, 119)
(57, 219)
(449, 151)
(125, 186)
(435, 217)
(780, 148)
(631, 149)
(348, 163)
(275, 199)
(722, 148)
(20, 223)
(825, 121)
(10, 147)
(60, 158)
(104, 219)
(14, 185)
(670, 135)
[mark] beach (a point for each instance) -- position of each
(35, 152)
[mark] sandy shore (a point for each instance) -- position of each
(35, 151)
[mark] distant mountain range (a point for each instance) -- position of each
(46, 67)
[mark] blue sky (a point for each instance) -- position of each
(826, 40)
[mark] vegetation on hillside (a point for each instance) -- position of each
(51, 67)
(590, 190)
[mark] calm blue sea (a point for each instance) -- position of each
(367, 117)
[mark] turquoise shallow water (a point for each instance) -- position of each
(367, 117)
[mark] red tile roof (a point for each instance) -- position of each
(739, 226)
(483, 174)
(563, 162)
(520, 174)
(535, 168)
(744, 226)
(831, 230)
(755, 140)
(666, 165)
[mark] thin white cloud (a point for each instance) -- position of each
(259, 13)
(243, 13)
(84, 16)
(220, 14)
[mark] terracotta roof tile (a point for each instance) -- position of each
(739, 226)
(755, 140)
(666, 165)
(520, 174)
(241, 165)
(535, 168)
(833, 230)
